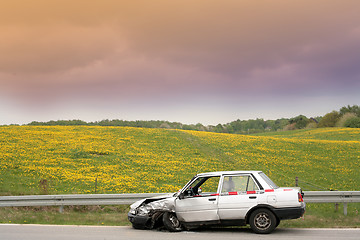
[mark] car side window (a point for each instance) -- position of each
(204, 186)
(210, 186)
(241, 183)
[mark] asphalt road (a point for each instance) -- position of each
(46, 232)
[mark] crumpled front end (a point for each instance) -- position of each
(146, 214)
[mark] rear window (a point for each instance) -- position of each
(268, 180)
(241, 183)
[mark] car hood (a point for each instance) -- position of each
(152, 199)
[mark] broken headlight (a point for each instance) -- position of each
(142, 211)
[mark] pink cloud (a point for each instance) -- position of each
(168, 51)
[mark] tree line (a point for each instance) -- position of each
(348, 116)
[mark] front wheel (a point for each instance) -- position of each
(262, 221)
(171, 222)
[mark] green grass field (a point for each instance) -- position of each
(336, 134)
(79, 159)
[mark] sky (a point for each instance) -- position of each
(203, 61)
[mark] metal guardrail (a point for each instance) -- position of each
(118, 199)
(331, 196)
(73, 199)
(336, 197)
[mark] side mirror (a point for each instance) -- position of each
(181, 196)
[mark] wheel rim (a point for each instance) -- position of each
(262, 221)
(174, 221)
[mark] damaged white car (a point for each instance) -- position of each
(234, 198)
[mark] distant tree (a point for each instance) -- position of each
(229, 128)
(200, 127)
(258, 124)
(300, 121)
(188, 127)
(341, 122)
(350, 109)
(235, 126)
(35, 123)
(290, 127)
(250, 126)
(281, 123)
(219, 128)
(74, 122)
(311, 125)
(353, 122)
(330, 119)
(165, 125)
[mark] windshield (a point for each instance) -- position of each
(268, 180)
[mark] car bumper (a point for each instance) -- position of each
(139, 221)
(290, 213)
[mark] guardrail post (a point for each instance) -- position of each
(336, 207)
(61, 209)
(345, 208)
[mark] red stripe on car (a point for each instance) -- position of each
(250, 192)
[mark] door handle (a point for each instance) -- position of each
(252, 197)
(212, 199)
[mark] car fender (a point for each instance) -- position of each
(269, 207)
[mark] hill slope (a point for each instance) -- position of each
(83, 159)
(338, 134)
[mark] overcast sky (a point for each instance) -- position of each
(203, 61)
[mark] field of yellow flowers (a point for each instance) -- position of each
(83, 159)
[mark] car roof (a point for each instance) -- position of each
(226, 173)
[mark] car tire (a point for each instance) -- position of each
(171, 222)
(277, 223)
(262, 221)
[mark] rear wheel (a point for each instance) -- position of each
(263, 221)
(171, 222)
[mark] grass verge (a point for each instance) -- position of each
(71, 215)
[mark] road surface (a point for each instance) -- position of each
(46, 232)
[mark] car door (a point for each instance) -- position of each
(239, 193)
(198, 202)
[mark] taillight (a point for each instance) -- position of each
(300, 197)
